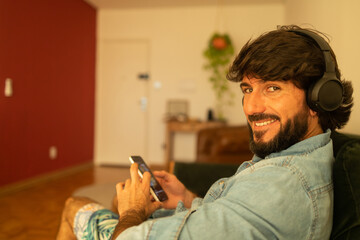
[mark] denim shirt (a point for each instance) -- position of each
(287, 195)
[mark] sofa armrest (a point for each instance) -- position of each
(346, 175)
(198, 177)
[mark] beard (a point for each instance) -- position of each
(290, 133)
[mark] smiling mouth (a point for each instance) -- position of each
(260, 124)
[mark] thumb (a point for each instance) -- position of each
(159, 174)
(156, 205)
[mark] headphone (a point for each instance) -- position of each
(326, 94)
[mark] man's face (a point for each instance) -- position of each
(277, 115)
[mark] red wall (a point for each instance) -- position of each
(48, 48)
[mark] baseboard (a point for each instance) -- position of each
(152, 166)
(18, 186)
(111, 165)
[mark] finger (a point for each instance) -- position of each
(156, 205)
(159, 174)
(152, 198)
(160, 180)
(119, 187)
(127, 183)
(146, 181)
(134, 173)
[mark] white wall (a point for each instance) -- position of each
(340, 20)
(177, 38)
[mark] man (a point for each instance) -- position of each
(284, 192)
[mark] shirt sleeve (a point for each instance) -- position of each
(269, 203)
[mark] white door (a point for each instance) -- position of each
(121, 98)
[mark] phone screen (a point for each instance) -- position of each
(156, 190)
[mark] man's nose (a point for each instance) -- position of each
(254, 103)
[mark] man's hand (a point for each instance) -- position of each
(134, 194)
(175, 190)
(134, 201)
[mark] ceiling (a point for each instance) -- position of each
(120, 4)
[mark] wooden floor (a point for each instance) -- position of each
(34, 213)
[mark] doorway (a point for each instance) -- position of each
(121, 101)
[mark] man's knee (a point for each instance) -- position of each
(114, 205)
(72, 206)
(77, 202)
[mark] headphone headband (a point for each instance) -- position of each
(322, 44)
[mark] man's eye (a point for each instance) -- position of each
(273, 88)
(247, 90)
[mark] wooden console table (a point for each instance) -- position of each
(173, 127)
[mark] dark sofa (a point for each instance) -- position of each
(199, 176)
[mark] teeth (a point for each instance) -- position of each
(264, 123)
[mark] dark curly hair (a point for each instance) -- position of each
(283, 55)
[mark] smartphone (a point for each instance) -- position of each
(155, 189)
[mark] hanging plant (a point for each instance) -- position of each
(218, 54)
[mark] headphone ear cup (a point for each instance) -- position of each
(326, 94)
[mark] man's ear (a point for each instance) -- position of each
(313, 113)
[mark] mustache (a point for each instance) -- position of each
(262, 116)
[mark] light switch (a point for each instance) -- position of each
(8, 87)
(53, 152)
(157, 85)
